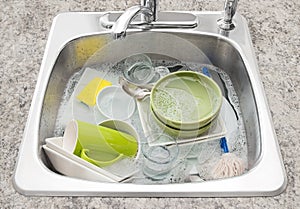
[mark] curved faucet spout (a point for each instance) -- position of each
(122, 23)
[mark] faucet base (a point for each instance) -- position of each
(225, 25)
(164, 20)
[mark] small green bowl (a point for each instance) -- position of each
(186, 100)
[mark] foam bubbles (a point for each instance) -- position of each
(174, 98)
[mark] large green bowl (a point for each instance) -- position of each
(186, 100)
(184, 134)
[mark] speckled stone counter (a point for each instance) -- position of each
(275, 30)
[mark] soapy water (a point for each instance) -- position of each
(202, 155)
(177, 104)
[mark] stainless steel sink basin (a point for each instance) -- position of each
(230, 51)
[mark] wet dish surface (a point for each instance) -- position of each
(186, 100)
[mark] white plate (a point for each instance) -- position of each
(117, 172)
(72, 168)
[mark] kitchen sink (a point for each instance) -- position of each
(77, 41)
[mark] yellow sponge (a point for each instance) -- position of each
(90, 91)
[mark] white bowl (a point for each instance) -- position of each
(114, 103)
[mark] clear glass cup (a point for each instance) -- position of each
(139, 69)
(159, 160)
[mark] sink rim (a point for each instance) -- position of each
(225, 187)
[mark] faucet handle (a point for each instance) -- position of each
(230, 7)
(153, 6)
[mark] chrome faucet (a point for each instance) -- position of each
(148, 12)
(152, 5)
(226, 23)
(149, 19)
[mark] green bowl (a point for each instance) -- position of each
(186, 100)
(185, 134)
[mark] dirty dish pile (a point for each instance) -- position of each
(183, 103)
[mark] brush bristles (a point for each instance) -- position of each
(229, 165)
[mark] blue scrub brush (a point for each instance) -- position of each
(230, 165)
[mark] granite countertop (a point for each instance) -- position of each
(275, 30)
